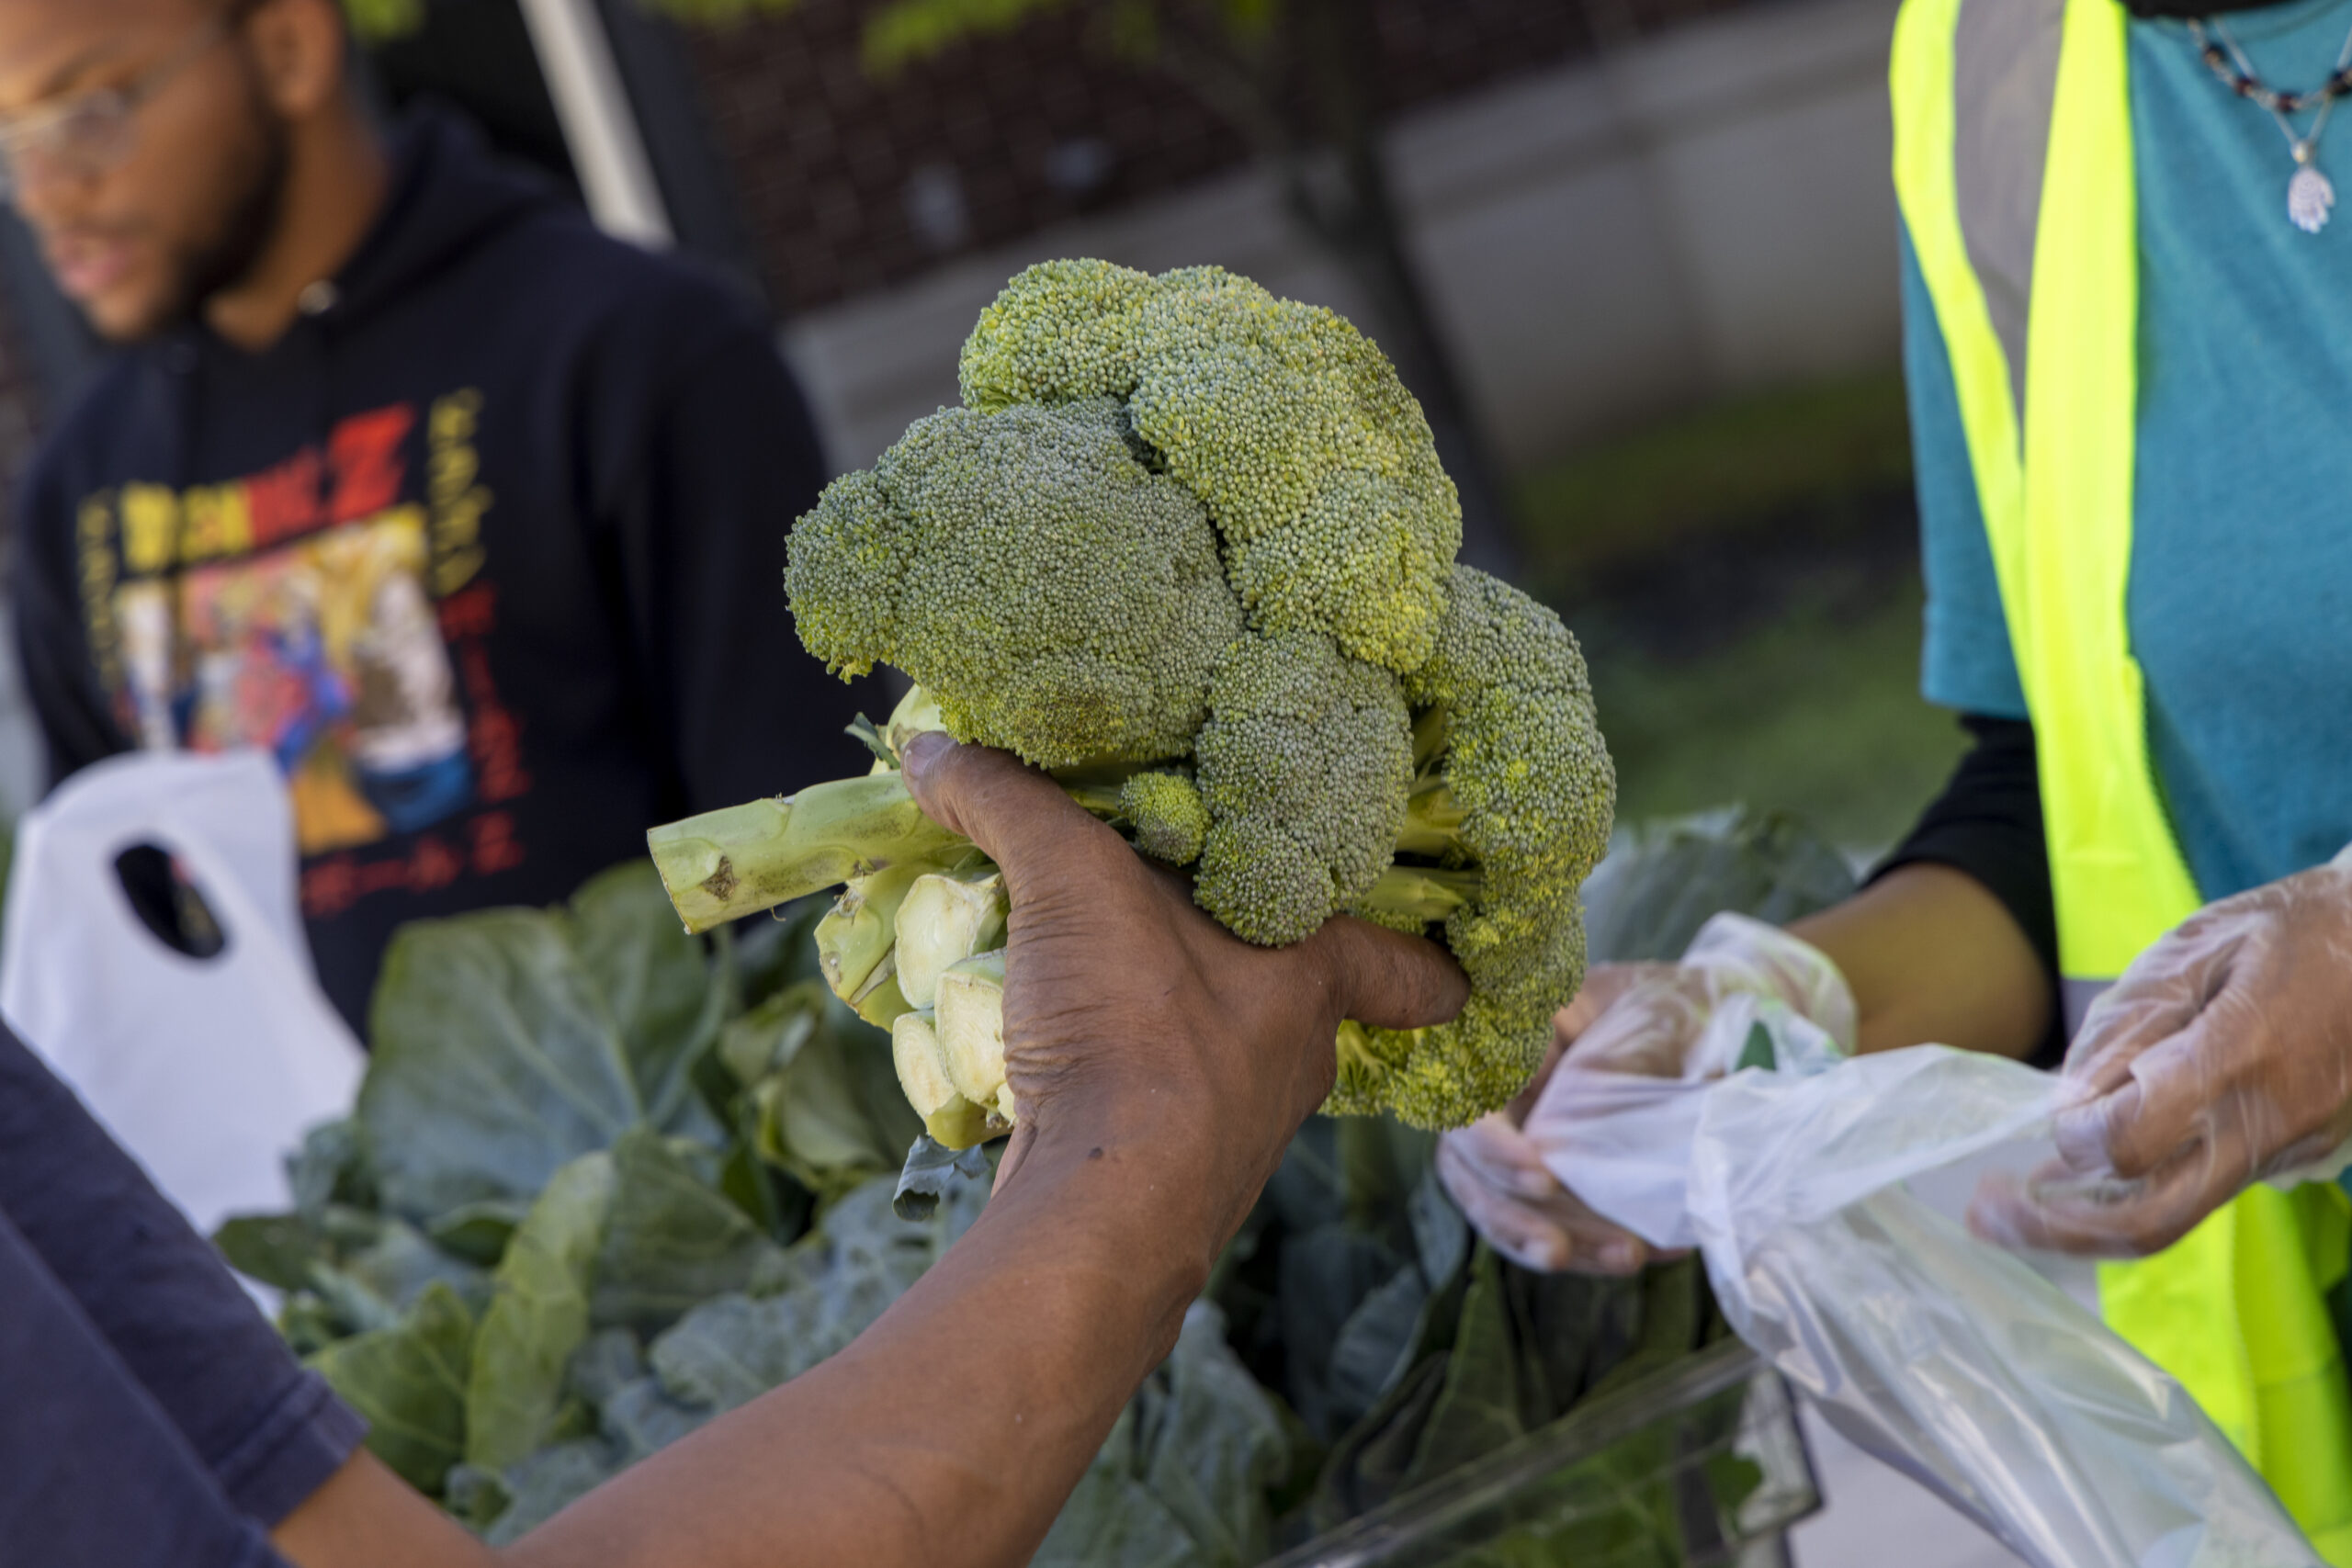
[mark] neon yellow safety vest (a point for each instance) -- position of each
(2013, 164)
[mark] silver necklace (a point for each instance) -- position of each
(2310, 194)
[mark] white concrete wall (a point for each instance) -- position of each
(1700, 214)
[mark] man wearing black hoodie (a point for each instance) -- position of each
(469, 515)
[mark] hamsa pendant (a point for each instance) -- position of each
(2310, 195)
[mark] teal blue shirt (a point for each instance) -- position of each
(2240, 604)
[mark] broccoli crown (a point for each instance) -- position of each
(1170, 818)
(1056, 597)
(1315, 462)
(1525, 767)
(1303, 764)
(1189, 545)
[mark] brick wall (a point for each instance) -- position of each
(849, 184)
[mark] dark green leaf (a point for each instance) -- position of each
(664, 993)
(671, 1240)
(399, 1263)
(831, 1113)
(477, 1232)
(331, 1167)
(545, 1484)
(1478, 1410)
(1212, 1444)
(539, 1316)
(277, 1250)
(930, 1169)
(1377, 1345)
(1112, 1521)
(495, 1063)
(409, 1380)
(1325, 1275)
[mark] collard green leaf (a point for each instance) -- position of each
(1377, 1345)
(932, 1169)
(1440, 1236)
(495, 1063)
(832, 1112)
(1212, 1444)
(538, 1316)
(542, 1485)
(1112, 1521)
(671, 1240)
(657, 981)
(277, 1250)
(477, 1232)
(399, 1263)
(409, 1380)
(1326, 1274)
(331, 1167)
(608, 1362)
(1478, 1409)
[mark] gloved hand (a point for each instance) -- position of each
(1639, 1019)
(2223, 1057)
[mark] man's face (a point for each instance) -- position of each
(186, 197)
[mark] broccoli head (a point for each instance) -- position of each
(1315, 464)
(1169, 820)
(1304, 765)
(1510, 812)
(1058, 599)
(1188, 547)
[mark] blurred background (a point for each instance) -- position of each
(1637, 257)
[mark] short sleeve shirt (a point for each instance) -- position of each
(2240, 598)
(149, 1416)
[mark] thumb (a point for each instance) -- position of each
(1018, 816)
(1385, 978)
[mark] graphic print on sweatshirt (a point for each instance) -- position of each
(327, 611)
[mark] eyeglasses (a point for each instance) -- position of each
(91, 133)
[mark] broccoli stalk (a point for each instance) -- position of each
(742, 859)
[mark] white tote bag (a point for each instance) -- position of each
(206, 1070)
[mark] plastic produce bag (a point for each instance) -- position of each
(206, 1070)
(1943, 1356)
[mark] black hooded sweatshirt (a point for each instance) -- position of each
(487, 550)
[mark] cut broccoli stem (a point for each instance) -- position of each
(857, 932)
(1426, 892)
(1432, 732)
(725, 864)
(742, 858)
(1432, 820)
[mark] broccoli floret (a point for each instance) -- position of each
(1058, 600)
(1188, 547)
(1168, 815)
(1517, 787)
(1304, 765)
(1316, 463)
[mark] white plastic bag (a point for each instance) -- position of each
(1947, 1358)
(208, 1070)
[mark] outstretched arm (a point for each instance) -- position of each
(1161, 1067)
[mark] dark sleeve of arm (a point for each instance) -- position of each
(167, 1307)
(53, 648)
(91, 1469)
(732, 459)
(1987, 824)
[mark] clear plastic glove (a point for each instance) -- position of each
(1636, 1019)
(2223, 1056)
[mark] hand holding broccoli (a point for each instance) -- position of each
(1137, 1029)
(1188, 547)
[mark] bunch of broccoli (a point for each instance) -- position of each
(1188, 547)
